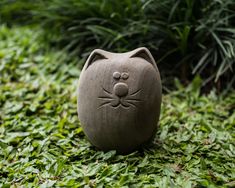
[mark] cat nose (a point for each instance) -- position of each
(120, 89)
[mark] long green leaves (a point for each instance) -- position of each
(191, 37)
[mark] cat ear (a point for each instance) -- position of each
(144, 53)
(95, 55)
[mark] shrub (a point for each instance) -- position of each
(200, 37)
(85, 25)
(17, 11)
(192, 37)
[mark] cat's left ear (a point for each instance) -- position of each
(145, 54)
(96, 55)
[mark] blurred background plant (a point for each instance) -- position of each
(187, 38)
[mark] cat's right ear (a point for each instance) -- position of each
(96, 55)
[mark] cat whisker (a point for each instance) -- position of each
(105, 103)
(135, 93)
(105, 98)
(107, 92)
(136, 100)
(132, 104)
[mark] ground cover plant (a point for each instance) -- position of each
(43, 145)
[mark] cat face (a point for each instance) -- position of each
(119, 79)
(119, 93)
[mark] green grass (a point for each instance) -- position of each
(43, 145)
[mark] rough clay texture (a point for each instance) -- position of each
(119, 99)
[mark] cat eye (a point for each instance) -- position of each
(125, 75)
(117, 75)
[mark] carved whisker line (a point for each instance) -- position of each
(107, 92)
(136, 100)
(132, 104)
(105, 103)
(105, 98)
(135, 93)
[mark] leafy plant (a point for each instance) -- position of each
(17, 11)
(194, 36)
(95, 24)
(200, 38)
(187, 38)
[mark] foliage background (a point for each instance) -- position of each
(187, 38)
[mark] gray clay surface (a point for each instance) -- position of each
(119, 99)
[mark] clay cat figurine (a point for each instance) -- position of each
(119, 99)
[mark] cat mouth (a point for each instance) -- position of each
(120, 103)
(114, 101)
